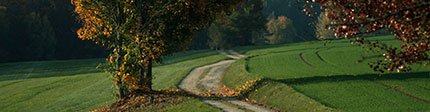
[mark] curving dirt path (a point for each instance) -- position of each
(212, 82)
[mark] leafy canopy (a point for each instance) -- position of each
(141, 31)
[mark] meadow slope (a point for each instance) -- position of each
(311, 76)
(76, 85)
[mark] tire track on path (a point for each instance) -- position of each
(304, 60)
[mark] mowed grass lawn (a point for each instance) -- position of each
(76, 85)
(309, 76)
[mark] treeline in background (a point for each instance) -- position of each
(41, 30)
(257, 22)
(33, 30)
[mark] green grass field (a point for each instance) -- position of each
(303, 77)
(76, 85)
(309, 76)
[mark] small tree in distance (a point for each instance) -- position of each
(219, 39)
(281, 30)
(321, 32)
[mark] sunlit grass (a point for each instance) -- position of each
(333, 75)
(76, 85)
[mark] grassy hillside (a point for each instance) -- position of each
(332, 77)
(75, 85)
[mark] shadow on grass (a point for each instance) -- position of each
(44, 69)
(375, 78)
(337, 78)
(44, 75)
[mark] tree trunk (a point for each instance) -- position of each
(149, 75)
(118, 81)
(118, 55)
(142, 81)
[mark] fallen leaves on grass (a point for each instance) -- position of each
(164, 98)
(141, 100)
(249, 85)
(227, 92)
(220, 92)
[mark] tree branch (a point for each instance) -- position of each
(385, 16)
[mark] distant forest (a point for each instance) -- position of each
(46, 30)
(42, 30)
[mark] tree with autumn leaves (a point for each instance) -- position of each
(408, 20)
(139, 32)
(281, 30)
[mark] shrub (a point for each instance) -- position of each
(281, 30)
(321, 31)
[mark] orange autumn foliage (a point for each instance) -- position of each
(141, 32)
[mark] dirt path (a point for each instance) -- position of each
(212, 81)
